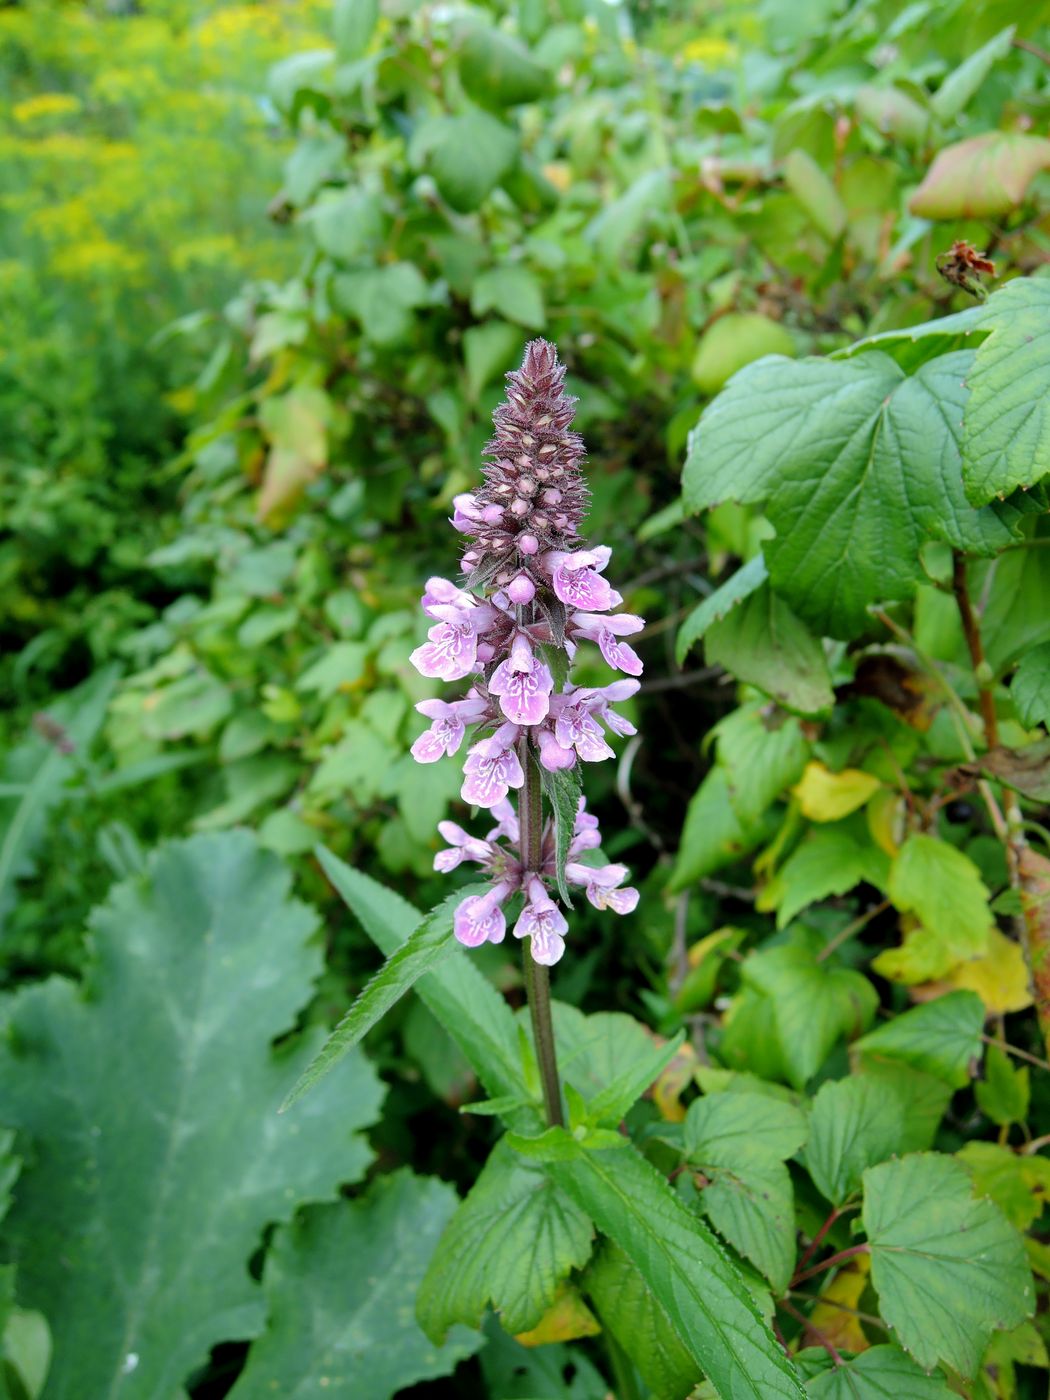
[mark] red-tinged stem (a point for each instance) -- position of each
(826, 1342)
(815, 1242)
(537, 978)
(830, 1263)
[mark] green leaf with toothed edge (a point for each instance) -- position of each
(431, 941)
(563, 788)
(880, 1373)
(686, 1270)
(459, 996)
(719, 604)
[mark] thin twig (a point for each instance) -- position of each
(830, 1263)
(845, 934)
(825, 1341)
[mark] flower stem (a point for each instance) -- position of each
(537, 978)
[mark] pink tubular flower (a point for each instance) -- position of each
(479, 918)
(543, 922)
(449, 726)
(461, 846)
(577, 578)
(605, 630)
(602, 886)
(523, 684)
(450, 654)
(554, 755)
(492, 769)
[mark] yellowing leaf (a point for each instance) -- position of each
(1000, 977)
(675, 1079)
(983, 177)
(297, 426)
(567, 1318)
(886, 814)
(834, 1318)
(944, 889)
(826, 797)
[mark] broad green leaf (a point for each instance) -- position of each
(828, 860)
(893, 112)
(342, 664)
(424, 948)
(858, 463)
(346, 1333)
(943, 888)
(764, 643)
(36, 774)
(855, 1123)
(459, 996)
(720, 604)
(815, 192)
(296, 425)
(631, 1313)
(563, 790)
(763, 754)
(513, 1239)
(382, 299)
(347, 224)
(732, 342)
(553, 1372)
(815, 1004)
(620, 221)
(1018, 1182)
(489, 350)
(514, 292)
(983, 177)
(962, 82)
(713, 835)
(1006, 426)
(353, 23)
(1003, 1094)
(1030, 687)
(686, 1271)
(497, 71)
(166, 1161)
(611, 1103)
(880, 1373)
(1015, 620)
(468, 156)
(733, 1123)
(949, 1270)
(600, 1052)
(740, 1145)
(940, 1037)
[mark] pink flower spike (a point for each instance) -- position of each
(506, 822)
(440, 591)
(619, 655)
(450, 654)
(602, 886)
(523, 684)
(554, 755)
(479, 919)
(462, 846)
(543, 922)
(487, 780)
(465, 512)
(576, 729)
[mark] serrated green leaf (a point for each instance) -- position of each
(949, 1270)
(763, 755)
(468, 155)
(858, 463)
(940, 1037)
(880, 1373)
(165, 1162)
(740, 1146)
(562, 788)
(629, 1310)
(703, 1295)
(829, 860)
(720, 604)
(1003, 1094)
(497, 71)
(514, 1237)
(460, 997)
(512, 291)
(854, 1124)
(611, 1103)
(763, 643)
(1030, 687)
(815, 1004)
(713, 835)
(424, 948)
(944, 889)
(1018, 1182)
(370, 1344)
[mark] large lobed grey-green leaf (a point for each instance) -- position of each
(686, 1270)
(515, 1236)
(949, 1269)
(340, 1283)
(147, 1101)
(35, 774)
(858, 463)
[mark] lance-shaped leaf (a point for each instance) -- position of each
(463, 1000)
(424, 949)
(563, 788)
(858, 463)
(513, 1239)
(149, 1102)
(339, 1333)
(949, 1270)
(686, 1270)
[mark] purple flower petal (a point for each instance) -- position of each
(488, 779)
(479, 919)
(619, 654)
(450, 654)
(524, 696)
(575, 728)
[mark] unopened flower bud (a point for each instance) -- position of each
(522, 589)
(528, 544)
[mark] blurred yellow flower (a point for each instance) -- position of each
(45, 104)
(711, 51)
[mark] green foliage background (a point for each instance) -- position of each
(264, 267)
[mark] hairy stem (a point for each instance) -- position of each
(537, 978)
(973, 641)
